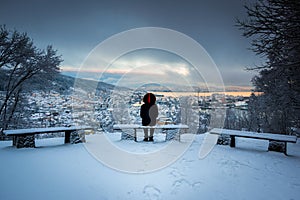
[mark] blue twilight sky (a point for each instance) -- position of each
(74, 28)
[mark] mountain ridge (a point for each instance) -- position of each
(60, 83)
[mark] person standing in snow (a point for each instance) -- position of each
(149, 113)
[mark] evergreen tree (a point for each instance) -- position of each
(274, 26)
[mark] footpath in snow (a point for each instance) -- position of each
(54, 170)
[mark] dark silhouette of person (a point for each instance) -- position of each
(149, 113)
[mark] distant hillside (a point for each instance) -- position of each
(90, 85)
(60, 83)
(154, 87)
(185, 88)
(171, 87)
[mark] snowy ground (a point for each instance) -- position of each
(58, 171)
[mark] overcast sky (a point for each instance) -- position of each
(74, 28)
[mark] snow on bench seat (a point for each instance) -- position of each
(267, 136)
(254, 135)
(30, 131)
(136, 126)
(25, 137)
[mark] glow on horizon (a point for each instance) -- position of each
(134, 66)
(181, 70)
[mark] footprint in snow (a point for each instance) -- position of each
(151, 192)
(184, 184)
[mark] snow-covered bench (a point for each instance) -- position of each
(135, 127)
(26, 137)
(254, 135)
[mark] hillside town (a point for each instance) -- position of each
(50, 109)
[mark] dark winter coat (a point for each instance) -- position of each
(149, 110)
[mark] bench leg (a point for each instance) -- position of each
(166, 135)
(232, 141)
(25, 141)
(67, 136)
(14, 140)
(135, 137)
(285, 148)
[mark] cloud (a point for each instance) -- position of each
(237, 76)
(136, 67)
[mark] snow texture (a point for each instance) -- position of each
(55, 170)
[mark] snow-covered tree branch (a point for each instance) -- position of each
(21, 61)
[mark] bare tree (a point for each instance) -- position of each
(21, 61)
